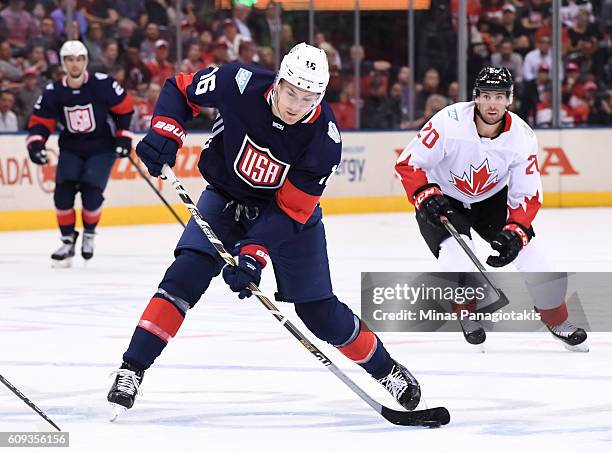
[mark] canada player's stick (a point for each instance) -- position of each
(502, 300)
(23, 398)
(161, 197)
(433, 417)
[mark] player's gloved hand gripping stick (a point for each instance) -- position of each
(502, 300)
(432, 417)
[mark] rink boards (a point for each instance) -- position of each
(575, 166)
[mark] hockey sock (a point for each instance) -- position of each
(554, 316)
(63, 197)
(182, 286)
(332, 321)
(92, 199)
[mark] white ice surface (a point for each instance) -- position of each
(235, 380)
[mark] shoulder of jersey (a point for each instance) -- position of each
(521, 126)
(247, 78)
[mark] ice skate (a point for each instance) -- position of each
(62, 257)
(125, 388)
(87, 246)
(403, 386)
(572, 337)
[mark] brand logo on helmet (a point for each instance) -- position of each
(479, 180)
(256, 166)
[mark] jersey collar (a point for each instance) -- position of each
(65, 80)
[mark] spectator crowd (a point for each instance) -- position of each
(135, 41)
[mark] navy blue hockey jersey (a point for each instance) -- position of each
(252, 155)
(83, 114)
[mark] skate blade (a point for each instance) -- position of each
(61, 264)
(118, 411)
(582, 347)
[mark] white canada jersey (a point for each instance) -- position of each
(449, 152)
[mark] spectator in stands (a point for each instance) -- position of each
(379, 110)
(431, 85)
(133, 10)
(266, 58)
(403, 78)
(571, 8)
(544, 113)
(232, 38)
(157, 12)
(321, 42)
(452, 93)
(160, 67)
(583, 30)
(287, 40)
(26, 97)
(8, 119)
(266, 28)
(508, 58)
(143, 109)
(590, 61)
(20, 25)
(220, 53)
(511, 28)
(531, 93)
(193, 62)
(240, 15)
(206, 47)
(127, 33)
(94, 41)
(247, 51)
(534, 13)
(147, 47)
(600, 104)
(36, 60)
(571, 81)
(60, 18)
(101, 12)
(8, 65)
(344, 109)
(136, 72)
(109, 59)
(538, 56)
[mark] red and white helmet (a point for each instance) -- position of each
(305, 67)
(73, 48)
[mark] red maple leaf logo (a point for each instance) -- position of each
(479, 181)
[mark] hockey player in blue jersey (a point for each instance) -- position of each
(82, 103)
(273, 147)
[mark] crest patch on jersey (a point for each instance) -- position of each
(256, 166)
(453, 114)
(80, 119)
(333, 132)
(242, 79)
(478, 181)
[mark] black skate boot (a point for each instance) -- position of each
(125, 388)
(87, 246)
(473, 332)
(403, 386)
(572, 337)
(62, 257)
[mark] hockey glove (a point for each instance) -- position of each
(251, 261)
(37, 152)
(430, 204)
(123, 144)
(161, 144)
(508, 242)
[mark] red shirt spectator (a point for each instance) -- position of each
(160, 68)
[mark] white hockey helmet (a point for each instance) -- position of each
(305, 67)
(73, 48)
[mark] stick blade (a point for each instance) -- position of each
(429, 418)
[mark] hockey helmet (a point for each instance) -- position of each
(491, 78)
(73, 48)
(305, 67)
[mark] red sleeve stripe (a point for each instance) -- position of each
(182, 82)
(296, 203)
(161, 318)
(258, 252)
(49, 123)
(412, 178)
(124, 107)
(525, 215)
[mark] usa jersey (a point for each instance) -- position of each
(253, 156)
(449, 152)
(83, 114)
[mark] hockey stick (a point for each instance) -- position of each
(433, 417)
(161, 197)
(502, 300)
(23, 398)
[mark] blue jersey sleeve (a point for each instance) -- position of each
(120, 104)
(44, 115)
(299, 195)
(183, 95)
